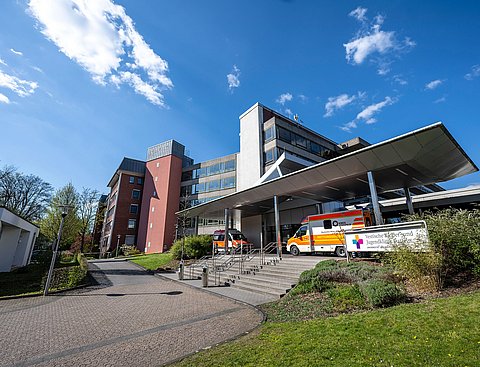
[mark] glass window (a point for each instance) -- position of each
(140, 181)
(213, 169)
(136, 194)
(228, 182)
(300, 141)
(132, 179)
(315, 148)
(269, 134)
(133, 208)
(186, 176)
(302, 231)
(269, 155)
(129, 240)
(284, 135)
(198, 188)
(214, 185)
(230, 165)
(131, 223)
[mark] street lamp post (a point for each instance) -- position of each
(118, 245)
(55, 251)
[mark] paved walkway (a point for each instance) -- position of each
(130, 319)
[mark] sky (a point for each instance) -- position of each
(84, 83)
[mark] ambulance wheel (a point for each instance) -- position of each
(340, 251)
(294, 250)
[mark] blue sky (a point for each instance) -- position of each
(85, 83)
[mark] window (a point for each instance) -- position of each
(214, 185)
(228, 182)
(284, 135)
(131, 223)
(132, 179)
(269, 155)
(133, 208)
(140, 181)
(300, 141)
(327, 224)
(187, 176)
(156, 178)
(269, 134)
(230, 165)
(158, 164)
(136, 194)
(315, 148)
(213, 169)
(153, 209)
(302, 231)
(129, 240)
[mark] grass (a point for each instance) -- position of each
(153, 261)
(442, 332)
(26, 280)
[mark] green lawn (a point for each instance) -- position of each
(443, 332)
(22, 281)
(153, 261)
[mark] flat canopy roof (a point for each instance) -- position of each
(421, 157)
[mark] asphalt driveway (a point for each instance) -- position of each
(130, 319)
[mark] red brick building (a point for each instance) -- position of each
(123, 205)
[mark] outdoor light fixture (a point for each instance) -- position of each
(64, 208)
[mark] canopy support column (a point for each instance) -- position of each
(373, 194)
(196, 225)
(225, 239)
(408, 199)
(278, 235)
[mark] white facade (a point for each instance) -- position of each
(17, 238)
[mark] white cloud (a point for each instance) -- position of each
(233, 79)
(288, 112)
(440, 100)
(4, 99)
(303, 98)
(20, 87)
(359, 14)
(367, 114)
(337, 103)
(36, 68)
(102, 38)
(433, 84)
(378, 41)
(141, 87)
(283, 98)
(371, 40)
(373, 109)
(3, 62)
(19, 53)
(474, 72)
(399, 79)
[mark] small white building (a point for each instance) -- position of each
(17, 238)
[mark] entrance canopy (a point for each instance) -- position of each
(421, 157)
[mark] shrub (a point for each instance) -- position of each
(381, 293)
(194, 247)
(129, 250)
(69, 276)
(454, 248)
(346, 297)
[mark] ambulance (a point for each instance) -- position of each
(236, 239)
(326, 232)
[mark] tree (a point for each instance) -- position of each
(50, 223)
(87, 207)
(25, 195)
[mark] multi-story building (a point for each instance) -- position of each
(123, 205)
(271, 145)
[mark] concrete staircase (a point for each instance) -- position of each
(273, 277)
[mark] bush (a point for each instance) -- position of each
(69, 276)
(129, 250)
(454, 249)
(381, 293)
(352, 285)
(194, 247)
